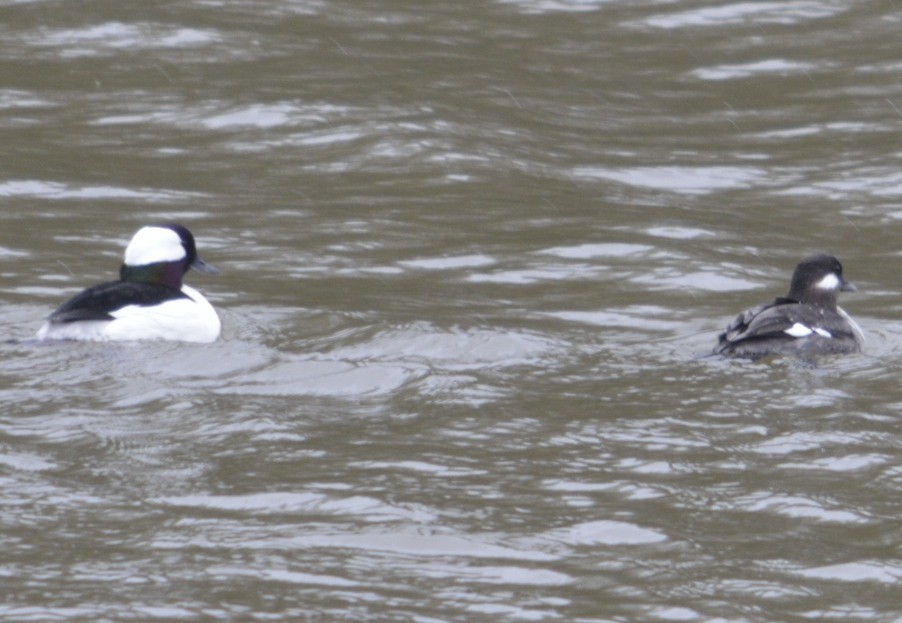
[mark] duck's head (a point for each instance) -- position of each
(162, 254)
(818, 280)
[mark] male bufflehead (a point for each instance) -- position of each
(804, 323)
(148, 302)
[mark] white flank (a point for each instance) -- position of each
(798, 330)
(83, 330)
(183, 320)
(822, 332)
(154, 244)
(830, 282)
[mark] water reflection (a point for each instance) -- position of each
(741, 13)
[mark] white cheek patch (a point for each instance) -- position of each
(154, 244)
(830, 282)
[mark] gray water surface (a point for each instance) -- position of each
(472, 255)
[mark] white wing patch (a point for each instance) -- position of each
(798, 330)
(801, 330)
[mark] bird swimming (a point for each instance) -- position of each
(804, 323)
(148, 301)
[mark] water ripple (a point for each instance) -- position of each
(284, 502)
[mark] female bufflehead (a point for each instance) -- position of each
(148, 302)
(804, 323)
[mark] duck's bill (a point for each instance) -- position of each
(202, 267)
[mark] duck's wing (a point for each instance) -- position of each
(762, 321)
(100, 301)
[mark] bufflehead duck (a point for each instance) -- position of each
(804, 323)
(148, 302)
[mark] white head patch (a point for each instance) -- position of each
(154, 244)
(830, 282)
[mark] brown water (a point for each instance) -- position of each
(470, 254)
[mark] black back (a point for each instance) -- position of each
(98, 301)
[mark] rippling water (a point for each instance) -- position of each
(471, 257)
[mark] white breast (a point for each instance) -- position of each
(855, 328)
(183, 320)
